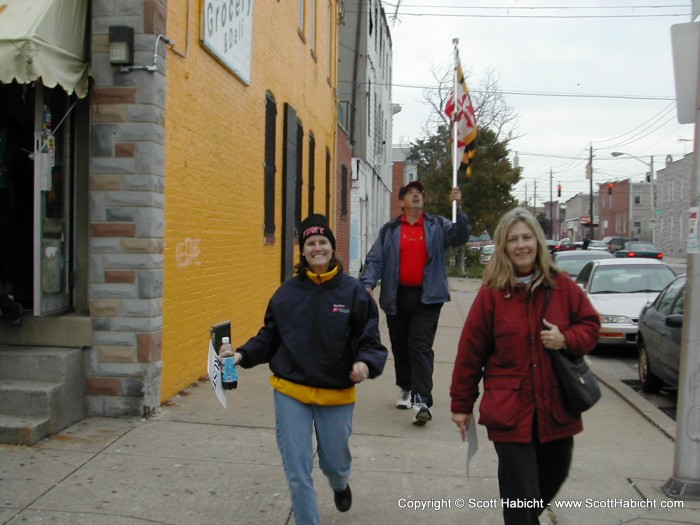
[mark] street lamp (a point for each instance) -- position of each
(650, 165)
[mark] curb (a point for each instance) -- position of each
(650, 412)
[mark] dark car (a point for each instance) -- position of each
(615, 243)
(572, 262)
(639, 249)
(659, 338)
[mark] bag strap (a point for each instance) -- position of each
(547, 294)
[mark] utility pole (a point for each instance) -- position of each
(652, 194)
(685, 482)
(590, 180)
(534, 200)
(551, 207)
(526, 194)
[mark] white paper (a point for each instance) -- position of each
(214, 371)
(472, 445)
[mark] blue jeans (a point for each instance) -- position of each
(295, 423)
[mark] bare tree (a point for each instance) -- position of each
(492, 110)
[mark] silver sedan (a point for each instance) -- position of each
(619, 289)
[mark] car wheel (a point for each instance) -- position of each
(650, 382)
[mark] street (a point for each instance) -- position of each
(621, 364)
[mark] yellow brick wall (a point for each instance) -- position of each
(217, 266)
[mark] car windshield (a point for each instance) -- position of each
(630, 279)
(571, 265)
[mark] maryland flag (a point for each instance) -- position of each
(460, 110)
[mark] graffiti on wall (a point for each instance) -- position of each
(187, 253)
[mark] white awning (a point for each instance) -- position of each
(44, 39)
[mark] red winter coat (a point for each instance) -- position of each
(501, 342)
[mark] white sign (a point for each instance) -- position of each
(685, 41)
(214, 371)
(227, 33)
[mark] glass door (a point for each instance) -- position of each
(52, 169)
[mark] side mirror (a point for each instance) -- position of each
(674, 321)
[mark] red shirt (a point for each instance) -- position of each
(413, 253)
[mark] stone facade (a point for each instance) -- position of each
(126, 194)
(672, 190)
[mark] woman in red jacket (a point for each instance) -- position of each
(505, 341)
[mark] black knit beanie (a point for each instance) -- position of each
(315, 224)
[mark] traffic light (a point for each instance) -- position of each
(558, 190)
(610, 188)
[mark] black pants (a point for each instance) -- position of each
(530, 475)
(412, 333)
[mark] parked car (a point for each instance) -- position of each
(487, 253)
(615, 243)
(619, 288)
(550, 245)
(639, 249)
(659, 339)
(597, 246)
(571, 262)
(564, 245)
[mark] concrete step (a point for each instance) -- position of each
(42, 387)
(38, 363)
(19, 430)
(29, 398)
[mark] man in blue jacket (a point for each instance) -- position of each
(409, 259)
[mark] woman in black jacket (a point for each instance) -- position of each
(320, 337)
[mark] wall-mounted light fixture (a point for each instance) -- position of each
(121, 45)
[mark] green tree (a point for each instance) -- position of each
(486, 193)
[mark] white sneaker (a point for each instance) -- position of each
(404, 402)
(421, 412)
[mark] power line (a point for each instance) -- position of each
(653, 118)
(636, 137)
(434, 10)
(534, 8)
(532, 93)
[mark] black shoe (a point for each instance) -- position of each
(343, 499)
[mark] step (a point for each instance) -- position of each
(29, 398)
(40, 363)
(18, 430)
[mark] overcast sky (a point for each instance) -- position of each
(622, 54)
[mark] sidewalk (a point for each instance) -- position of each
(199, 464)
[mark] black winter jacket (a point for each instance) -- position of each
(313, 333)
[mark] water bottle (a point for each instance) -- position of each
(229, 374)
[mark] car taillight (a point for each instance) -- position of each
(660, 256)
(631, 254)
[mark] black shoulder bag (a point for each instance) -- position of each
(578, 384)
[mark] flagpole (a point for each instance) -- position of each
(455, 152)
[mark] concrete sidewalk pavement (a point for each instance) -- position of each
(199, 464)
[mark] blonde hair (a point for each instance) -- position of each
(499, 272)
